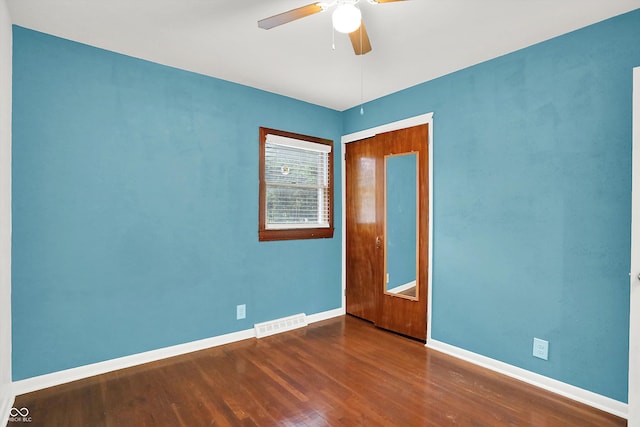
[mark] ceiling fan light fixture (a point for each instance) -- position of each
(346, 18)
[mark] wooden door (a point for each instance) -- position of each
(404, 314)
(363, 254)
(366, 293)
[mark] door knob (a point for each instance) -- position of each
(378, 246)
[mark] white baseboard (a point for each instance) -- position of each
(325, 315)
(61, 377)
(56, 378)
(595, 400)
(6, 403)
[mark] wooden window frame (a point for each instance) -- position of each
(293, 233)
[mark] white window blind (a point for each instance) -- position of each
(297, 183)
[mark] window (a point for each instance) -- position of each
(296, 186)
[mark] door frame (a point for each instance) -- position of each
(634, 282)
(368, 133)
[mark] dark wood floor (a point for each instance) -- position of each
(340, 372)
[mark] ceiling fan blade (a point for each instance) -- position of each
(292, 15)
(360, 40)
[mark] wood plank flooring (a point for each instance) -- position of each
(340, 372)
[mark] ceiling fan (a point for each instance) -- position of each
(346, 18)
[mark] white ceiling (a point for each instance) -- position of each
(413, 41)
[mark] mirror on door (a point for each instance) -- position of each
(401, 225)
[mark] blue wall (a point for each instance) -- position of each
(135, 206)
(532, 185)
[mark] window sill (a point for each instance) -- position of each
(295, 234)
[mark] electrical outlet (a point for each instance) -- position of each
(241, 311)
(541, 349)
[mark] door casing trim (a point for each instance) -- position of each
(634, 287)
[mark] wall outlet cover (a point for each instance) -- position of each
(541, 349)
(241, 311)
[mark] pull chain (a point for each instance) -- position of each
(333, 38)
(361, 74)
